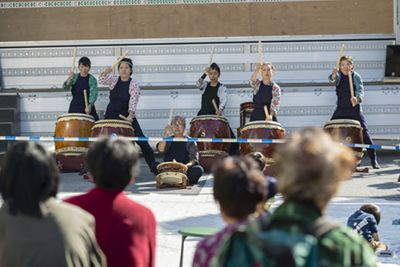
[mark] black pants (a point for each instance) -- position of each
(148, 153)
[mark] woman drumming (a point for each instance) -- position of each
(124, 96)
(217, 91)
(350, 107)
(265, 93)
(78, 83)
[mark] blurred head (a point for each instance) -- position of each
(214, 72)
(259, 158)
(125, 67)
(310, 167)
(267, 70)
(372, 209)
(346, 64)
(178, 125)
(29, 176)
(239, 186)
(112, 163)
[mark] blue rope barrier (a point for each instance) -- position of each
(158, 139)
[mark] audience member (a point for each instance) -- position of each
(125, 230)
(36, 230)
(240, 189)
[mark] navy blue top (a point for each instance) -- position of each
(261, 99)
(178, 152)
(210, 93)
(77, 104)
(364, 223)
(344, 107)
(119, 101)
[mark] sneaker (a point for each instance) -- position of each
(375, 164)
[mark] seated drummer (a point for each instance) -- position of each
(265, 93)
(79, 82)
(210, 90)
(183, 152)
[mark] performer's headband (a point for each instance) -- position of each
(130, 64)
(84, 63)
(347, 60)
(267, 63)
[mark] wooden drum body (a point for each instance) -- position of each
(104, 128)
(261, 130)
(246, 109)
(210, 126)
(171, 172)
(73, 125)
(346, 131)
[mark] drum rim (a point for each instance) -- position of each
(209, 117)
(343, 121)
(113, 121)
(264, 123)
(171, 162)
(78, 115)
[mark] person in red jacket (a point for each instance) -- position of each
(125, 230)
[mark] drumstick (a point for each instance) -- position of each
(170, 117)
(351, 86)
(259, 54)
(340, 56)
(266, 113)
(123, 117)
(211, 56)
(85, 96)
(73, 61)
(215, 105)
(115, 64)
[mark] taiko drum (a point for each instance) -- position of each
(261, 130)
(73, 125)
(105, 128)
(171, 172)
(346, 131)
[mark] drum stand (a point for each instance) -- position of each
(71, 163)
(182, 185)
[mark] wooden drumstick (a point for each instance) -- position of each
(211, 56)
(123, 117)
(259, 55)
(266, 113)
(73, 61)
(170, 117)
(340, 56)
(85, 96)
(115, 64)
(351, 86)
(215, 105)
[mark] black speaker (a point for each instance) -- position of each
(392, 66)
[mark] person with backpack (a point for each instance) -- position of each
(240, 189)
(310, 168)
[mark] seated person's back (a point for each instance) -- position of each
(125, 229)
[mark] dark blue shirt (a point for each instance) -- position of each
(364, 223)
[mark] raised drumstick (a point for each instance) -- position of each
(340, 56)
(259, 54)
(351, 86)
(73, 61)
(266, 113)
(211, 56)
(170, 117)
(85, 96)
(115, 64)
(123, 117)
(215, 105)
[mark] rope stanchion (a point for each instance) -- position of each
(158, 139)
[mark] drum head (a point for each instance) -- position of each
(75, 116)
(263, 124)
(169, 165)
(342, 123)
(113, 124)
(209, 117)
(171, 177)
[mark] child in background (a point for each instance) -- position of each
(365, 221)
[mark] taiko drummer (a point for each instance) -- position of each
(265, 93)
(349, 107)
(124, 96)
(78, 83)
(183, 152)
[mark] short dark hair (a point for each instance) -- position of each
(130, 64)
(238, 186)
(259, 158)
(214, 66)
(112, 163)
(372, 209)
(85, 61)
(29, 175)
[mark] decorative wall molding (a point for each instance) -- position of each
(44, 4)
(23, 72)
(183, 49)
(56, 52)
(327, 65)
